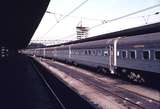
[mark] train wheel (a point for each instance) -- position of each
(75, 64)
(53, 59)
(136, 77)
(99, 70)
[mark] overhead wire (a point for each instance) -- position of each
(78, 17)
(124, 16)
(127, 15)
(104, 21)
(54, 16)
(65, 17)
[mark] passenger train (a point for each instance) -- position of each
(135, 57)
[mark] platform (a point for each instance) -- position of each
(21, 88)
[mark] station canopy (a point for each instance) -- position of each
(19, 20)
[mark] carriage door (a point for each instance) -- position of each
(113, 54)
(111, 58)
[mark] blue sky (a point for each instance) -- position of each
(93, 12)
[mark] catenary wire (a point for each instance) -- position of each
(105, 21)
(65, 17)
(121, 17)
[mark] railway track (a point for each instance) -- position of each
(60, 91)
(48, 86)
(123, 96)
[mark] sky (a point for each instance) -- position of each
(91, 13)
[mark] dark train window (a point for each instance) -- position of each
(146, 55)
(99, 52)
(85, 52)
(124, 54)
(133, 54)
(89, 52)
(157, 55)
(94, 52)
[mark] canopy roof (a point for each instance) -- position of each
(19, 20)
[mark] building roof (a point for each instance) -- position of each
(19, 20)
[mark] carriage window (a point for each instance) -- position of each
(77, 52)
(133, 54)
(89, 52)
(117, 53)
(94, 52)
(82, 52)
(124, 54)
(99, 52)
(85, 52)
(157, 55)
(72, 52)
(146, 55)
(105, 53)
